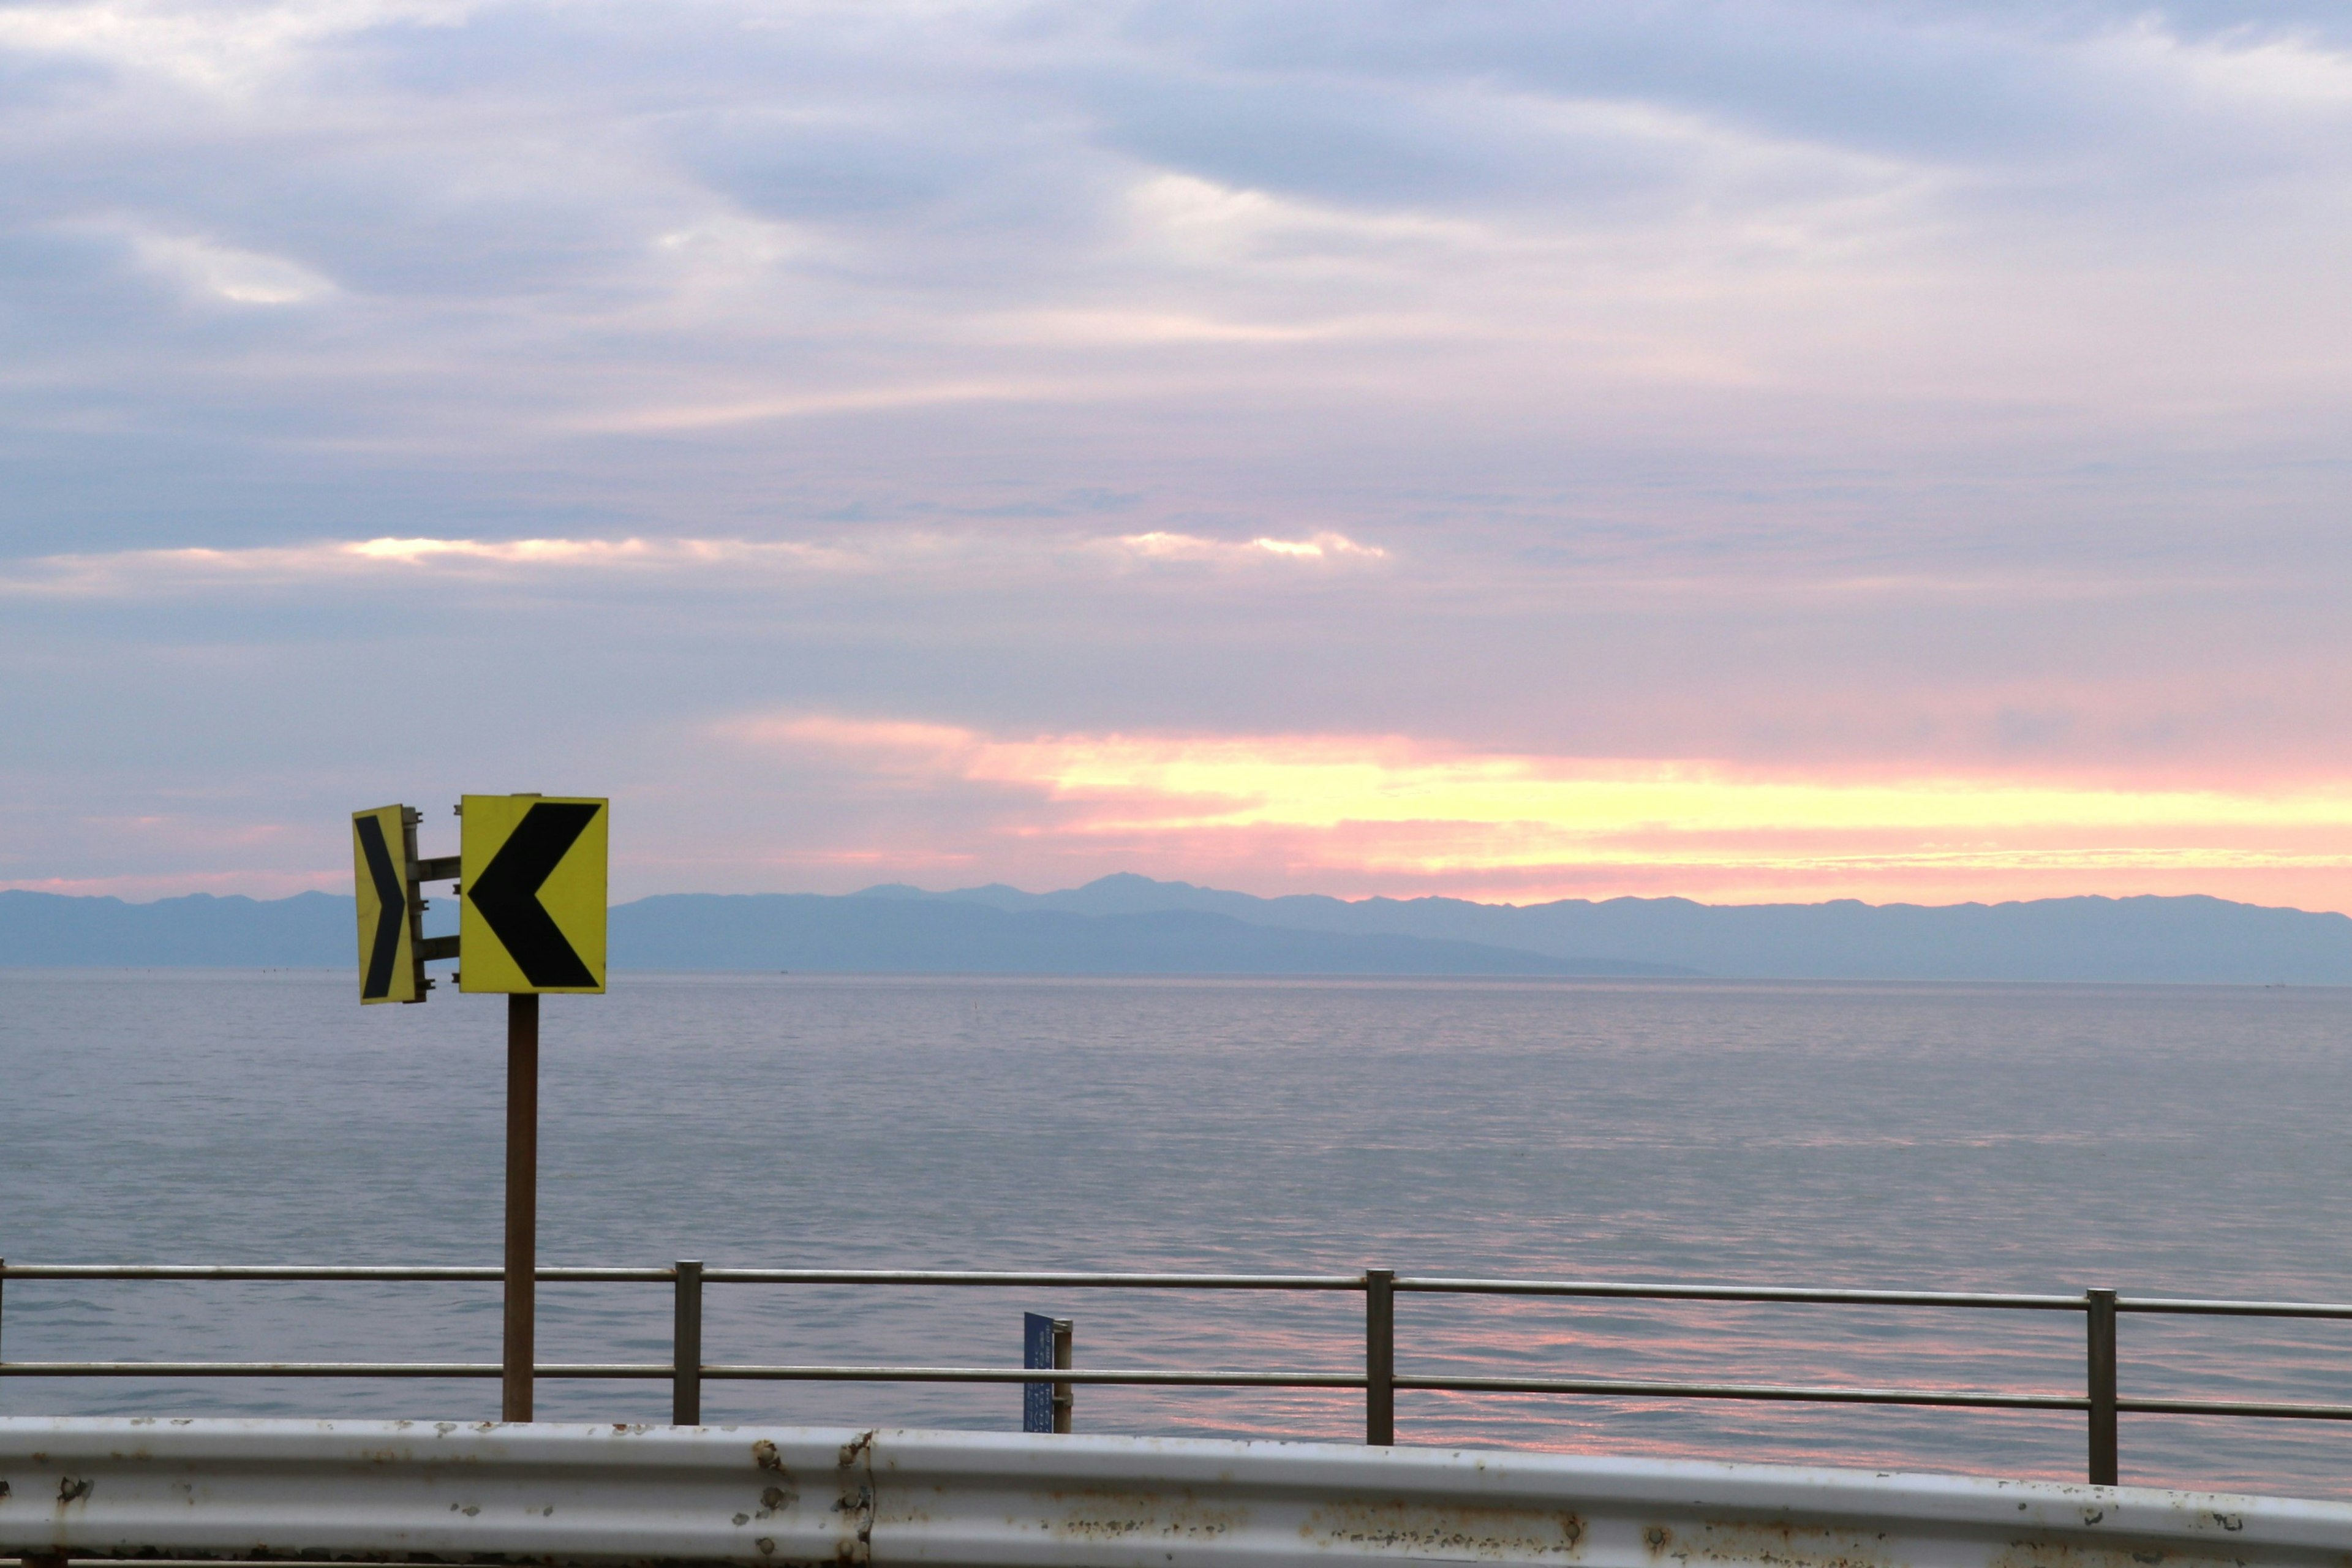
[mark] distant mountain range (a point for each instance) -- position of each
(2079, 938)
(880, 931)
(1128, 924)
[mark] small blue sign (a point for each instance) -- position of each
(1036, 1350)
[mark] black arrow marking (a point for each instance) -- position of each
(507, 893)
(391, 899)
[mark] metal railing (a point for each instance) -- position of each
(2099, 1401)
(581, 1495)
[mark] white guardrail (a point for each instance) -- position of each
(454, 1493)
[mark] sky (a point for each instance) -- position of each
(1750, 452)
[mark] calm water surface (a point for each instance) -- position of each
(2176, 1141)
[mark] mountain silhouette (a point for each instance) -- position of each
(1128, 924)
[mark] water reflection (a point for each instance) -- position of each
(1938, 1137)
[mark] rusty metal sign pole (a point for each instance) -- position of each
(522, 1205)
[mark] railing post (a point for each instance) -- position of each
(2100, 1318)
(1379, 1356)
(1065, 1332)
(685, 1346)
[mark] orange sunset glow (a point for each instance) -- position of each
(1387, 813)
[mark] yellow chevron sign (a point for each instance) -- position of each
(532, 917)
(383, 846)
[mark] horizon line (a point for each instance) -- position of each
(911, 892)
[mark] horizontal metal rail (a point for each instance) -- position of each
(1795, 1393)
(1620, 1388)
(1064, 1279)
(1049, 1278)
(1163, 1376)
(1779, 1293)
(663, 1371)
(2258, 1409)
(320, 1369)
(2189, 1307)
(1085, 1279)
(1130, 1376)
(405, 1273)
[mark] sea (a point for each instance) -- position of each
(2174, 1140)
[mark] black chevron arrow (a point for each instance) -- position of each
(391, 908)
(507, 893)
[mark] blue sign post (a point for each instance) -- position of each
(1044, 1345)
(1036, 1350)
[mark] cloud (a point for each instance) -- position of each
(1325, 547)
(718, 562)
(224, 273)
(247, 881)
(195, 569)
(226, 52)
(762, 410)
(2277, 74)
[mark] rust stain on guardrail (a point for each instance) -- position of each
(1116, 1515)
(1459, 1531)
(1784, 1543)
